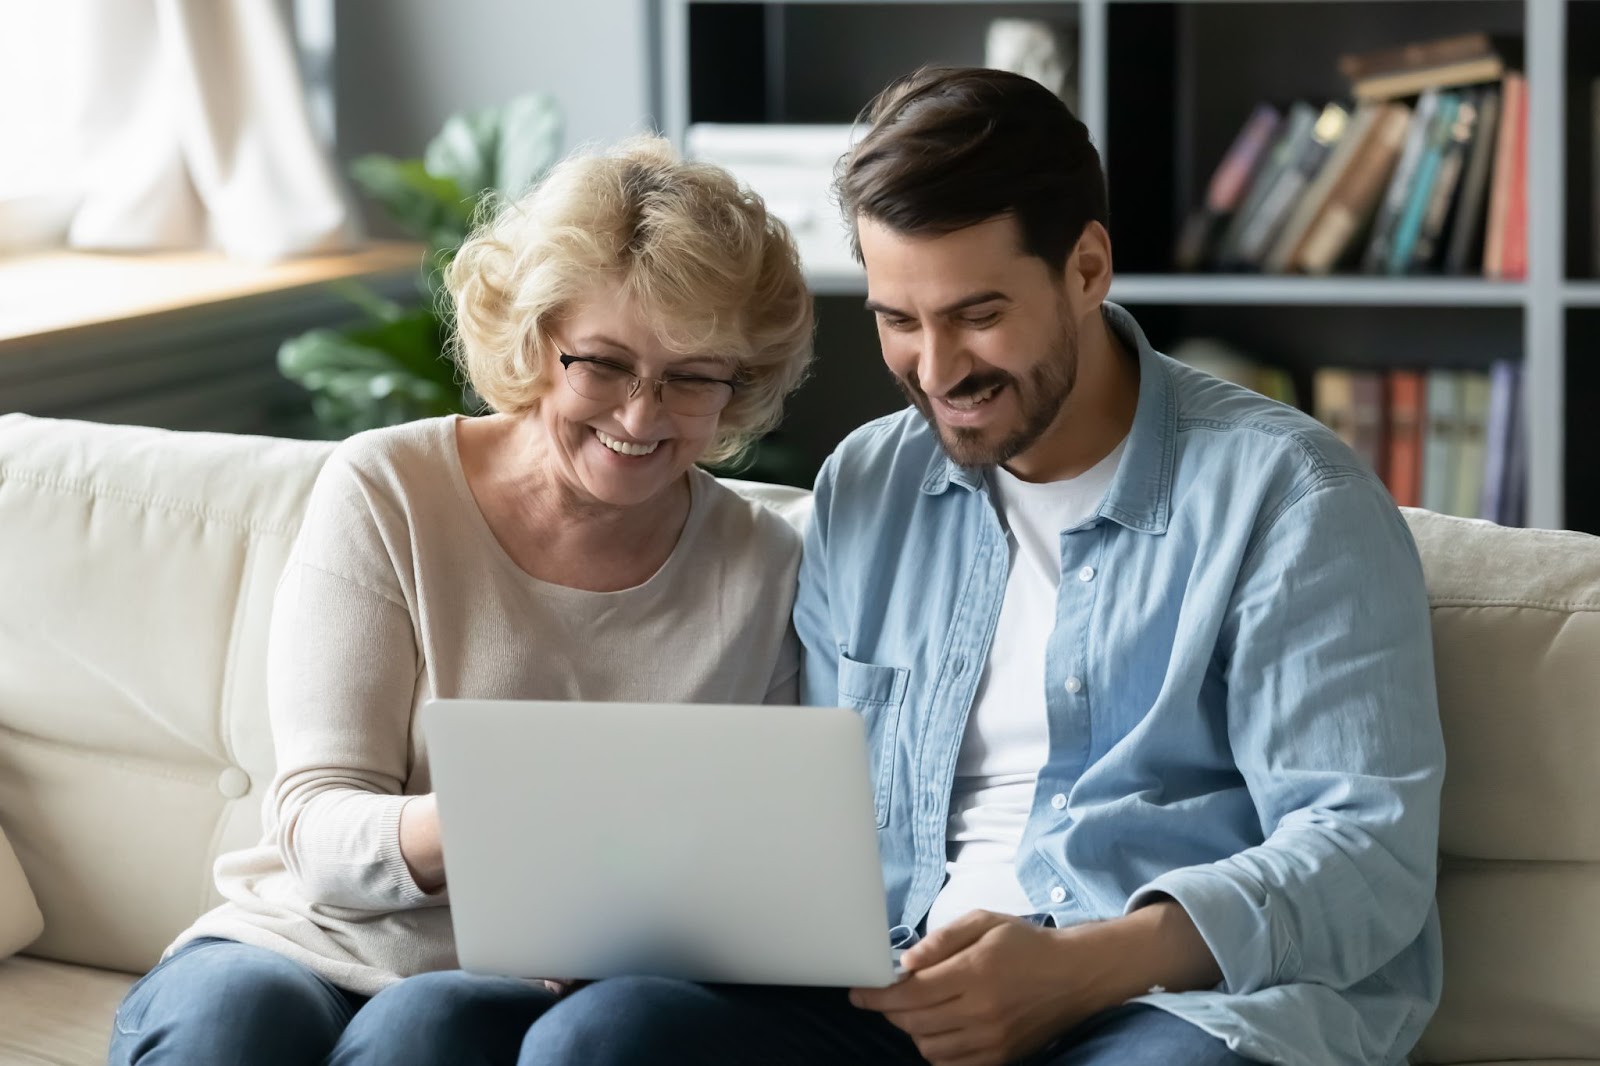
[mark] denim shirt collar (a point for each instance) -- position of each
(1140, 496)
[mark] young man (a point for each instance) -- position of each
(1142, 654)
(1144, 660)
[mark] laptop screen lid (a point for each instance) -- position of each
(707, 842)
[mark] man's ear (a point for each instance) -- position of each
(1089, 269)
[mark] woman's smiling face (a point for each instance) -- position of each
(626, 451)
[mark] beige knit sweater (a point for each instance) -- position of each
(397, 591)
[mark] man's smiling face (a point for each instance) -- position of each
(977, 332)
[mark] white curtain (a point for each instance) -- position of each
(198, 134)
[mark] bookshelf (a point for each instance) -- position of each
(1163, 86)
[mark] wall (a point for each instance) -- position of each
(403, 66)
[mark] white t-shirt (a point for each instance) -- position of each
(1007, 738)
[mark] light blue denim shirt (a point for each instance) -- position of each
(1240, 693)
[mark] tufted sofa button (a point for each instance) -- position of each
(233, 782)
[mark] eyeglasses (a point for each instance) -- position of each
(608, 382)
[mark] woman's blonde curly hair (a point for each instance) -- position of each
(704, 262)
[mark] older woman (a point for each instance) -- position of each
(631, 317)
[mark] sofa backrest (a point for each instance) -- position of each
(1516, 626)
(137, 570)
(136, 575)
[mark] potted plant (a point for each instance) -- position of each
(392, 366)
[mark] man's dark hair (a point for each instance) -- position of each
(949, 147)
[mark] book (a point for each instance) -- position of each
(1450, 76)
(1227, 187)
(1369, 403)
(1465, 251)
(1303, 214)
(1497, 439)
(1471, 444)
(1333, 402)
(1514, 247)
(1293, 131)
(1514, 495)
(1350, 204)
(1441, 439)
(1425, 253)
(1409, 224)
(1512, 93)
(1394, 196)
(1419, 55)
(1407, 408)
(1268, 220)
(1351, 404)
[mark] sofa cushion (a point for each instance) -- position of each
(20, 920)
(54, 1014)
(139, 572)
(1516, 624)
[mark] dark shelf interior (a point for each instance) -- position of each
(822, 62)
(1583, 139)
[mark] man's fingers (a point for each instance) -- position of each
(913, 992)
(951, 939)
(923, 1024)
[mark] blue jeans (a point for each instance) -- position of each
(648, 1021)
(217, 1003)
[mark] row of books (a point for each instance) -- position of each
(1452, 441)
(1425, 172)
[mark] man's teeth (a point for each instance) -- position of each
(968, 402)
(622, 447)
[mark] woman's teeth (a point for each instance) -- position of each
(622, 447)
(966, 403)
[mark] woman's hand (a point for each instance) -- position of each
(419, 842)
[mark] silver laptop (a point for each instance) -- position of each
(707, 842)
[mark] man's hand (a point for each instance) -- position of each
(564, 987)
(987, 989)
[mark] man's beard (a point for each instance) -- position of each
(1040, 397)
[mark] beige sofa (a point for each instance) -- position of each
(136, 575)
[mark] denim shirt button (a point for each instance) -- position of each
(1058, 801)
(1086, 574)
(1074, 686)
(1058, 895)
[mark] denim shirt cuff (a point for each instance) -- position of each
(1234, 918)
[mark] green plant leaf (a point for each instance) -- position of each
(393, 367)
(530, 141)
(358, 386)
(464, 150)
(425, 205)
(378, 307)
(414, 341)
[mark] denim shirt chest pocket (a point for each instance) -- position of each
(876, 693)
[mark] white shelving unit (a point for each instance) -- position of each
(1543, 301)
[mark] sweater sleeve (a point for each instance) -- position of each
(343, 663)
(342, 668)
